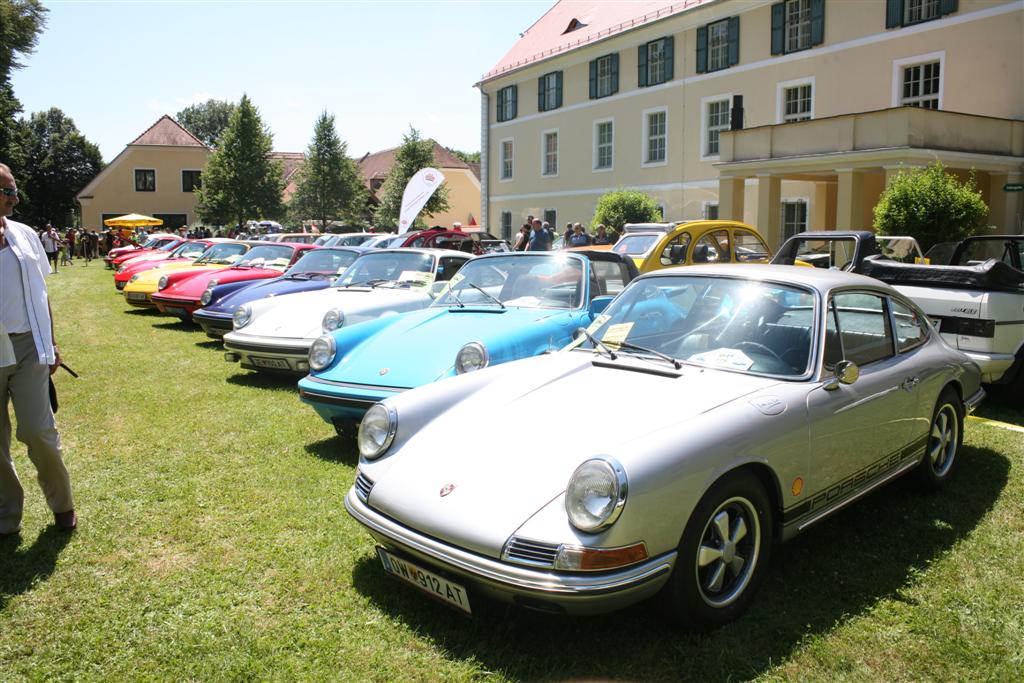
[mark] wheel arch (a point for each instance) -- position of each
(768, 480)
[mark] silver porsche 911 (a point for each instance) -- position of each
(706, 414)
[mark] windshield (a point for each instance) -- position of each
(412, 267)
(542, 281)
(977, 251)
(269, 256)
(168, 245)
(902, 249)
(835, 254)
(636, 245)
(222, 254)
(189, 250)
(331, 261)
(353, 240)
(728, 323)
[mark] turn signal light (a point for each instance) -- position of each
(596, 559)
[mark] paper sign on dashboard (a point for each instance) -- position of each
(598, 321)
(730, 359)
(616, 334)
(416, 276)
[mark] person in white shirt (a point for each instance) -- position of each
(28, 356)
(51, 245)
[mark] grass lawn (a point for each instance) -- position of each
(213, 544)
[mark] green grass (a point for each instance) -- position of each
(213, 545)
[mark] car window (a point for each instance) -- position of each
(864, 329)
(269, 256)
(542, 281)
(635, 245)
(222, 254)
(413, 267)
(979, 251)
(711, 248)
(833, 254)
(611, 277)
(674, 252)
(323, 261)
(911, 330)
(448, 266)
(749, 247)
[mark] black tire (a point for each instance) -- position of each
(945, 438)
(715, 578)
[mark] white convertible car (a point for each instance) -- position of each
(275, 334)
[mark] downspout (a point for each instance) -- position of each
(485, 137)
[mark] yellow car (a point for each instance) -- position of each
(654, 246)
(141, 287)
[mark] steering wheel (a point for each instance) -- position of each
(760, 348)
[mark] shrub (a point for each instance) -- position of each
(617, 208)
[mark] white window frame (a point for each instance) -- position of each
(723, 49)
(897, 74)
(704, 102)
(782, 214)
(780, 96)
(502, 178)
(544, 150)
(786, 25)
(156, 183)
(907, 21)
(594, 167)
(506, 234)
(645, 140)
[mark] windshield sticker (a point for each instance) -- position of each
(456, 279)
(616, 334)
(730, 359)
(598, 322)
(416, 276)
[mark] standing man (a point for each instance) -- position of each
(540, 238)
(28, 356)
(51, 243)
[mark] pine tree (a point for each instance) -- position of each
(414, 154)
(240, 180)
(329, 184)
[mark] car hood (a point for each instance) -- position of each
(194, 285)
(301, 316)
(509, 460)
(264, 290)
(154, 274)
(437, 334)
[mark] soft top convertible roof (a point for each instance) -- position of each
(992, 275)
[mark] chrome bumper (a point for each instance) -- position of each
(972, 402)
(572, 593)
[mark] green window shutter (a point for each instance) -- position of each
(669, 58)
(558, 90)
(778, 28)
(514, 94)
(734, 41)
(540, 94)
(615, 73)
(948, 7)
(702, 49)
(593, 79)
(641, 66)
(817, 22)
(893, 13)
(502, 94)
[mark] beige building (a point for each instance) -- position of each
(790, 115)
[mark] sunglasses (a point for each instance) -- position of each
(9, 191)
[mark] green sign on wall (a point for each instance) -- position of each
(1013, 187)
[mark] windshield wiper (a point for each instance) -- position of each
(452, 294)
(489, 296)
(371, 283)
(658, 354)
(598, 344)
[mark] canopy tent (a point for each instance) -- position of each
(132, 220)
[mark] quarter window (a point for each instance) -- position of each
(550, 153)
(717, 121)
(145, 180)
(656, 137)
(921, 83)
(911, 330)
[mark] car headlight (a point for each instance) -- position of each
(472, 356)
(120, 269)
(133, 278)
(377, 431)
(241, 317)
(596, 494)
(333, 319)
(162, 283)
(207, 296)
(321, 353)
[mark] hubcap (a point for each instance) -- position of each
(942, 441)
(728, 552)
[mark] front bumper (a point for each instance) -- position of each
(181, 307)
(215, 326)
(257, 353)
(139, 299)
(342, 401)
(546, 590)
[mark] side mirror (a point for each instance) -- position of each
(598, 304)
(846, 371)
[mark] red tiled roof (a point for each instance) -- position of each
(590, 20)
(291, 162)
(167, 131)
(378, 164)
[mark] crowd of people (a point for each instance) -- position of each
(538, 235)
(62, 248)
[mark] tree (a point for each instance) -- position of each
(414, 154)
(931, 206)
(208, 120)
(615, 209)
(240, 180)
(329, 184)
(468, 157)
(58, 163)
(21, 22)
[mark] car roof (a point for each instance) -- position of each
(420, 250)
(816, 278)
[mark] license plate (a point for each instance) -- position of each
(276, 363)
(174, 310)
(428, 582)
(136, 296)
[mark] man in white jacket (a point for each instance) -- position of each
(28, 356)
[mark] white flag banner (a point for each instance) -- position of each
(420, 188)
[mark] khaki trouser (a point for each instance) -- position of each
(26, 385)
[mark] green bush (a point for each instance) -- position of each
(617, 208)
(930, 205)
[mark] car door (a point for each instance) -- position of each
(859, 431)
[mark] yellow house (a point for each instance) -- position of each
(154, 175)
(786, 114)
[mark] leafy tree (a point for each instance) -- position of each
(615, 209)
(930, 205)
(329, 184)
(10, 143)
(240, 180)
(208, 120)
(468, 157)
(58, 163)
(21, 22)
(414, 154)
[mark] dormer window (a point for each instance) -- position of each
(573, 25)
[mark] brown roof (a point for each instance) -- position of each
(292, 162)
(378, 164)
(167, 131)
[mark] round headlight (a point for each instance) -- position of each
(162, 283)
(596, 494)
(207, 296)
(321, 353)
(472, 356)
(333, 319)
(120, 269)
(376, 431)
(133, 278)
(241, 317)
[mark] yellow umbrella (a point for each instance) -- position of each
(132, 220)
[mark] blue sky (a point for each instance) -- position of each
(115, 67)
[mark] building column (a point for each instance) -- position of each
(850, 200)
(823, 206)
(730, 198)
(1005, 209)
(769, 208)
